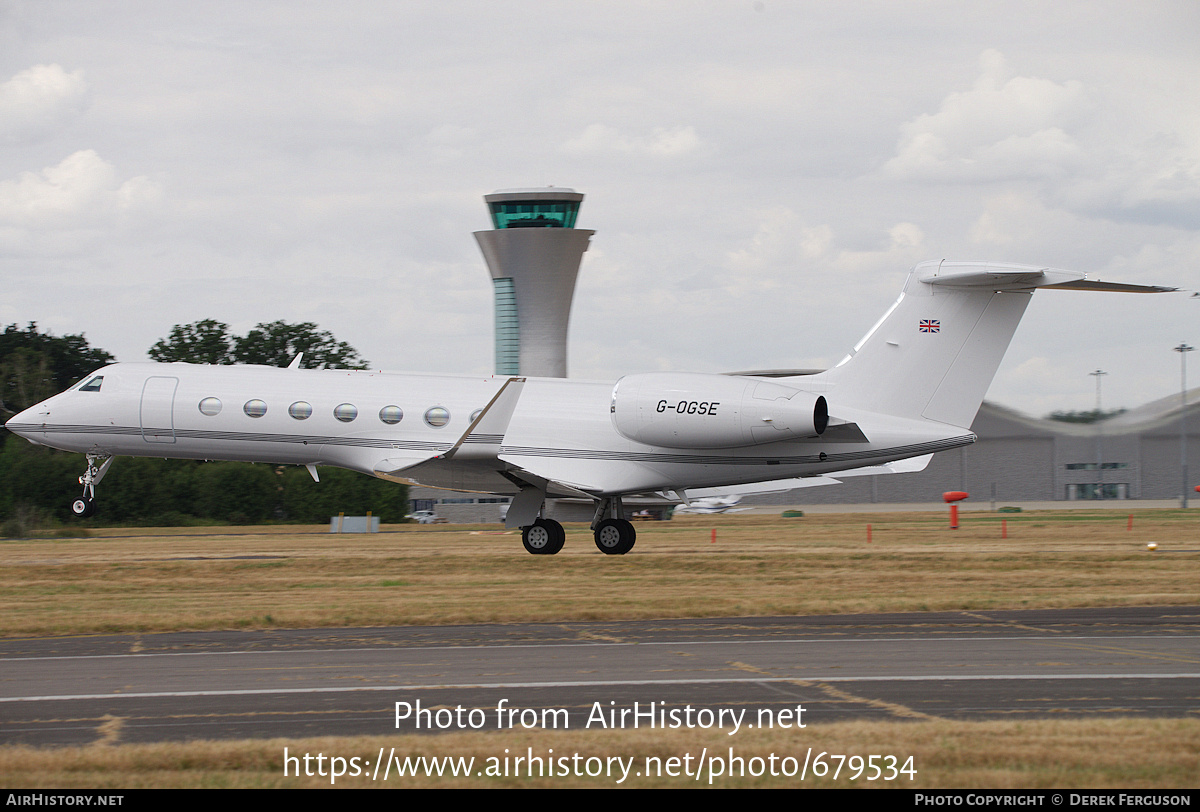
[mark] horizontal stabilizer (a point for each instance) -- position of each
(1116, 287)
(1008, 276)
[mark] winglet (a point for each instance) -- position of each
(491, 424)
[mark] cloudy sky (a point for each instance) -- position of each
(760, 175)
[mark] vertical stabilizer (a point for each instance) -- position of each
(934, 353)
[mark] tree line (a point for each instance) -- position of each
(35, 480)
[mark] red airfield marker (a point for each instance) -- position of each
(953, 497)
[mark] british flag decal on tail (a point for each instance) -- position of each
(930, 325)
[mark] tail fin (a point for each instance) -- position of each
(934, 353)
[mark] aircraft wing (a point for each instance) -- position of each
(392, 467)
(584, 474)
(752, 488)
(910, 465)
(484, 433)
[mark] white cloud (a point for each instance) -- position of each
(83, 191)
(38, 99)
(781, 243)
(1157, 180)
(1003, 128)
(661, 142)
(726, 154)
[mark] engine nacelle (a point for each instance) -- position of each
(696, 410)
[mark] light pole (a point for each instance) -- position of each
(1099, 419)
(1183, 349)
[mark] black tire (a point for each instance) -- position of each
(560, 537)
(543, 537)
(83, 507)
(615, 536)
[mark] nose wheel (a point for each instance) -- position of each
(84, 506)
(543, 537)
(97, 467)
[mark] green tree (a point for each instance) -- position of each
(340, 491)
(38, 477)
(276, 344)
(201, 342)
(1088, 416)
(273, 344)
(151, 491)
(34, 366)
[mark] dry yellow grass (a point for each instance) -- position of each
(120, 580)
(1058, 754)
(820, 564)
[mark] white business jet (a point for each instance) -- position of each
(909, 388)
(712, 504)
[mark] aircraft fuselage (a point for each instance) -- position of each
(404, 426)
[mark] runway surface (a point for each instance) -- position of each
(1142, 661)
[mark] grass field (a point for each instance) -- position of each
(236, 578)
(1057, 754)
(420, 574)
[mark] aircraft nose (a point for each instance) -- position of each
(27, 423)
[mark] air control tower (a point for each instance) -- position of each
(533, 255)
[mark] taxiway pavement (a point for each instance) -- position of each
(1142, 661)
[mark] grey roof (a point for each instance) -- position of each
(995, 420)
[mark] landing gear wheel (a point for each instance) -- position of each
(543, 537)
(83, 507)
(615, 536)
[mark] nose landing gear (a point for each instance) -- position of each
(85, 505)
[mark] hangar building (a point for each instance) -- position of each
(1019, 458)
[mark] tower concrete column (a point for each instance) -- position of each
(533, 255)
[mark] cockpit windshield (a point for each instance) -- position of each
(93, 384)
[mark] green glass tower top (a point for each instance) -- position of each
(547, 207)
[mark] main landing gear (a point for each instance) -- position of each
(543, 537)
(614, 535)
(613, 532)
(85, 505)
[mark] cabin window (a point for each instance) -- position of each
(346, 412)
(93, 385)
(475, 415)
(300, 410)
(391, 415)
(255, 408)
(437, 416)
(210, 406)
